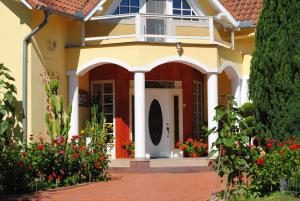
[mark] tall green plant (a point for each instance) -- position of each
(58, 123)
(97, 129)
(275, 68)
(8, 107)
(234, 156)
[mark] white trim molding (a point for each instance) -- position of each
(26, 4)
(185, 60)
(86, 67)
(97, 8)
(231, 70)
(216, 4)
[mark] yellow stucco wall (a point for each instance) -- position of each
(47, 62)
(15, 20)
(48, 58)
(140, 55)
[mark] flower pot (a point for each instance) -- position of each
(190, 154)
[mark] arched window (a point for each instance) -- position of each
(127, 6)
(182, 7)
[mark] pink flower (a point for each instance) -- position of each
(189, 140)
(62, 152)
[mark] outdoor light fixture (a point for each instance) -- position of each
(179, 48)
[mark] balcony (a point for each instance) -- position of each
(155, 28)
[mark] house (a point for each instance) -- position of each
(157, 68)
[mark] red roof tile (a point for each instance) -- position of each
(75, 8)
(244, 10)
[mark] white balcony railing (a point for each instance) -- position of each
(159, 28)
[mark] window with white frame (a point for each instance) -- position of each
(103, 96)
(198, 121)
(127, 6)
(182, 7)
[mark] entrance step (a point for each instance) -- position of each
(161, 165)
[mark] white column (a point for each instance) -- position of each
(212, 102)
(139, 112)
(236, 90)
(244, 90)
(73, 100)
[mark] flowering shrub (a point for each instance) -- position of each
(251, 169)
(60, 162)
(56, 164)
(193, 147)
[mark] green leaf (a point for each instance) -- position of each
(229, 142)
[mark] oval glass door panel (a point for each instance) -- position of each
(155, 122)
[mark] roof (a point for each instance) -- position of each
(244, 10)
(74, 8)
(241, 10)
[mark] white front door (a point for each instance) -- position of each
(159, 124)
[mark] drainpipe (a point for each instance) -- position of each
(26, 42)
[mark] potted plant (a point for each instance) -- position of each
(188, 148)
(129, 148)
(193, 148)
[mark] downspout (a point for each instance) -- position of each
(26, 42)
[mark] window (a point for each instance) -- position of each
(127, 6)
(182, 7)
(103, 96)
(176, 120)
(197, 92)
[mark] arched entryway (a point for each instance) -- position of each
(182, 95)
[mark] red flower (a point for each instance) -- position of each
(189, 140)
(269, 145)
(50, 178)
(205, 146)
(24, 154)
(82, 148)
(195, 143)
(75, 155)
(281, 144)
(293, 147)
(97, 165)
(40, 147)
(177, 145)
(75, 137)
(260, 161)
(201, 140)
(101, 158)
(75, 147)
(183, 147)
(21, 164)
(54, 175)
(298, 146)
(91, 152)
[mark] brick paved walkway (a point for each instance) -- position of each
(140, 187)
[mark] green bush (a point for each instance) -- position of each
(251, 170)
(61, 162)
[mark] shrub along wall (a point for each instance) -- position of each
(42, 165)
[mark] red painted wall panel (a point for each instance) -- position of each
(169, 71)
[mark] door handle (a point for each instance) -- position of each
(168, 130)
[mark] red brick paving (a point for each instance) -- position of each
(140, 187)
